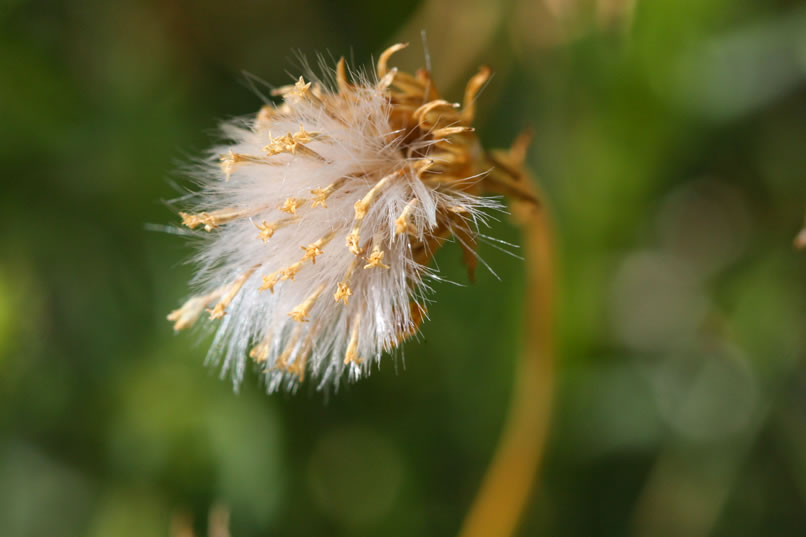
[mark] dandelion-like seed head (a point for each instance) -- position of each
(321, 215)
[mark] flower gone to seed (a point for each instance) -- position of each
(192, 309)
(402, 223)
(343, 292)
(315, 248)
(320, 195)
(351, 356)
(380, 163)
(212, 220)
(300, 313)
(375, 259)
(229, 294)
(290, 205)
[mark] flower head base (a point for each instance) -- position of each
(322, 214)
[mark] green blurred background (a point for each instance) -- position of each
(671, 143)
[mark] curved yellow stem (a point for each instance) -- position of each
(507, 485)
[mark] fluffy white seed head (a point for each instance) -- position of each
(319, 218)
